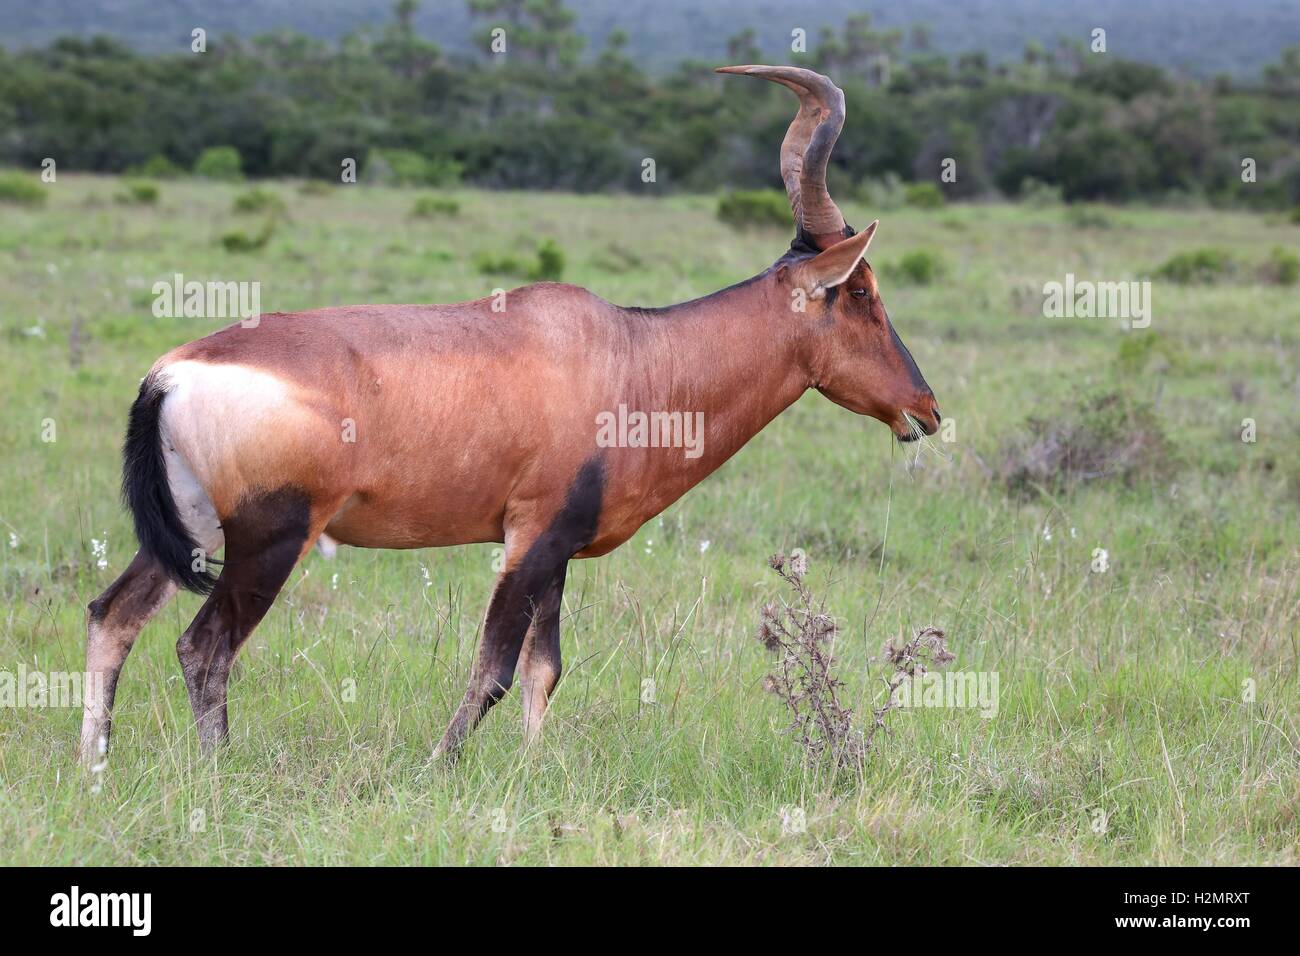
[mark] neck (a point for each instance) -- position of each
(733, 357)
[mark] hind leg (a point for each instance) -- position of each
(265, 538)
(113, 622)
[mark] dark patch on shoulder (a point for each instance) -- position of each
(542, 566)
(574, 525)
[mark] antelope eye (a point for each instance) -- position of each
(858, 293)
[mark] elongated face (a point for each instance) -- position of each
(869, 369)
(855, 358)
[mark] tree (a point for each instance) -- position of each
(540, 30)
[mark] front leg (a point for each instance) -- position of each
(539, 663)
(527, 596)
(510, 615)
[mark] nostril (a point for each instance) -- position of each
(937, 417)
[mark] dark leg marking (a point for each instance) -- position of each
(113, 622)
(264, 538)
(524, 593)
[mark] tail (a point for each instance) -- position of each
(145, 489)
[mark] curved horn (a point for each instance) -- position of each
(806, 149)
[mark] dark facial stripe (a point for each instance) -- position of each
(918, 380)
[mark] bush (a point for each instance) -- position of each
(1198, 266)
(242, 242)
(924, 196)
(1106, 435)
(1084, 216)
(919, 267)
(550, 263)
(1035, 192)
(156, 166)
(258, 199)
(1282, 267)
(404, 167)
(505, 265)
(432, 207)
(138, 193)
(1135, 353)
(220, 162)
(883, 192)
(21, 190)
(755, 208)
(315, 187)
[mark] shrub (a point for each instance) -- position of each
(1083, 216)
(432, 207)
(219, 162)
(883, 192)
(156, 166)
(258, 199)
(918, 267)
(504, 265)
(1200, 266)
(924, 196)
(443, 171)
(137, 193)
(315, 187)
(1136, 354)
(21, 190)
(755, 208)
(1282, 267)
(238, 241)
(1035, 192)
(801, 636)
(1103, 436)
(550, 263)
(404, 167)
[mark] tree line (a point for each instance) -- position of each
(522, 109)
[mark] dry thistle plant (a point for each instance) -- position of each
(928, 648)
(802, 635)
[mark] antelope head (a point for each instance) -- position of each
(852, 354)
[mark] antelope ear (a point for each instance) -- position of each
(828, 269)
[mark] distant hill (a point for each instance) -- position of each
(1201, 37)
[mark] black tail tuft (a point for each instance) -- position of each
(158, 525)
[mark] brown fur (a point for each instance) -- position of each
(475, 424)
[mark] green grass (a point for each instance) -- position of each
(1120, 692)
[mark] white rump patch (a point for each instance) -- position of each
(209, 418)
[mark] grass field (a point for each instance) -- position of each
(1147, 714)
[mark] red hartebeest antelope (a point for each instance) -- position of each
(473, 424)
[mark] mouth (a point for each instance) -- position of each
(914, 426)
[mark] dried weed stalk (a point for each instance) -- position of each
(928, 648)
(802, 635)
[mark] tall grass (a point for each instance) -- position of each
(1147, 712)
